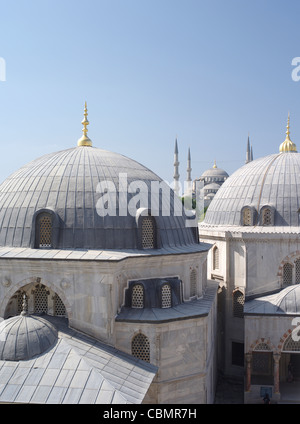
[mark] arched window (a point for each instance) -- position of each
(247, 217)
(148, 233)
(44, 230)
(140, 347)
(216, 258)
(291, 345)
(287, 272)
(193, 283)
(238, 304)
(137, 299)
(266, 216)
(166, 296)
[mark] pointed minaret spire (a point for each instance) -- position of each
(288, 146)
(176, 169)
(251, 154)
(85, 140)
(189, 169)
(248, 151)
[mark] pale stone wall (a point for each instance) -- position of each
(184, 351)
(93, 294)
(251, 262)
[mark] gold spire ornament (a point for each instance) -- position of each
(288, 145)
(215, 165)
(85, 140)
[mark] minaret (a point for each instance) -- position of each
(176, 169)
(251, 154)
(189, 169)
(85, 140)
(188, 188)
(248, 152)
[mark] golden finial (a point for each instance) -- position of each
(85, 140)
(288, 145)
(215, 165)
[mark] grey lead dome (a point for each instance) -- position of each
(25, 336)
(272, 181)
(66, 182)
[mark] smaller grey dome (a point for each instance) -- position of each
(285, 302)
(25, 336)
(289, 300)
(215, 172)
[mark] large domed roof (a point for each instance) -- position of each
(68, 186)
(24, 336)
(272, 181)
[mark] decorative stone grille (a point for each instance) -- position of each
(140, 347)
(137, 300)
(45, 224)
(262, 347)
(291, 345)
(238, 304)
(166, 296)
(40, 300)
(193, 282)
(148, 233)
(297, 273)
(59, 307)
(262, 363)
(247, 216)
(287, 274)
(267, 217)
(216, 258)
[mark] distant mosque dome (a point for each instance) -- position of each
(263, 192)
(24, 336)
(212, 179)
(214, 174)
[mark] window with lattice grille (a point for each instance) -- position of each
(45, 231)
(166, 296)
(262, 363)
(297, 272)
(148, 233)
(238, 304)
(216, 258)
(140, 347)
(266, 217)
(247, 217)
(193, 282)
(59, 307)
(40, 300)
(287, 274)
(291, 345)
(137, 300)
(262, 347)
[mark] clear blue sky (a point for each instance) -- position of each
(207, 72)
